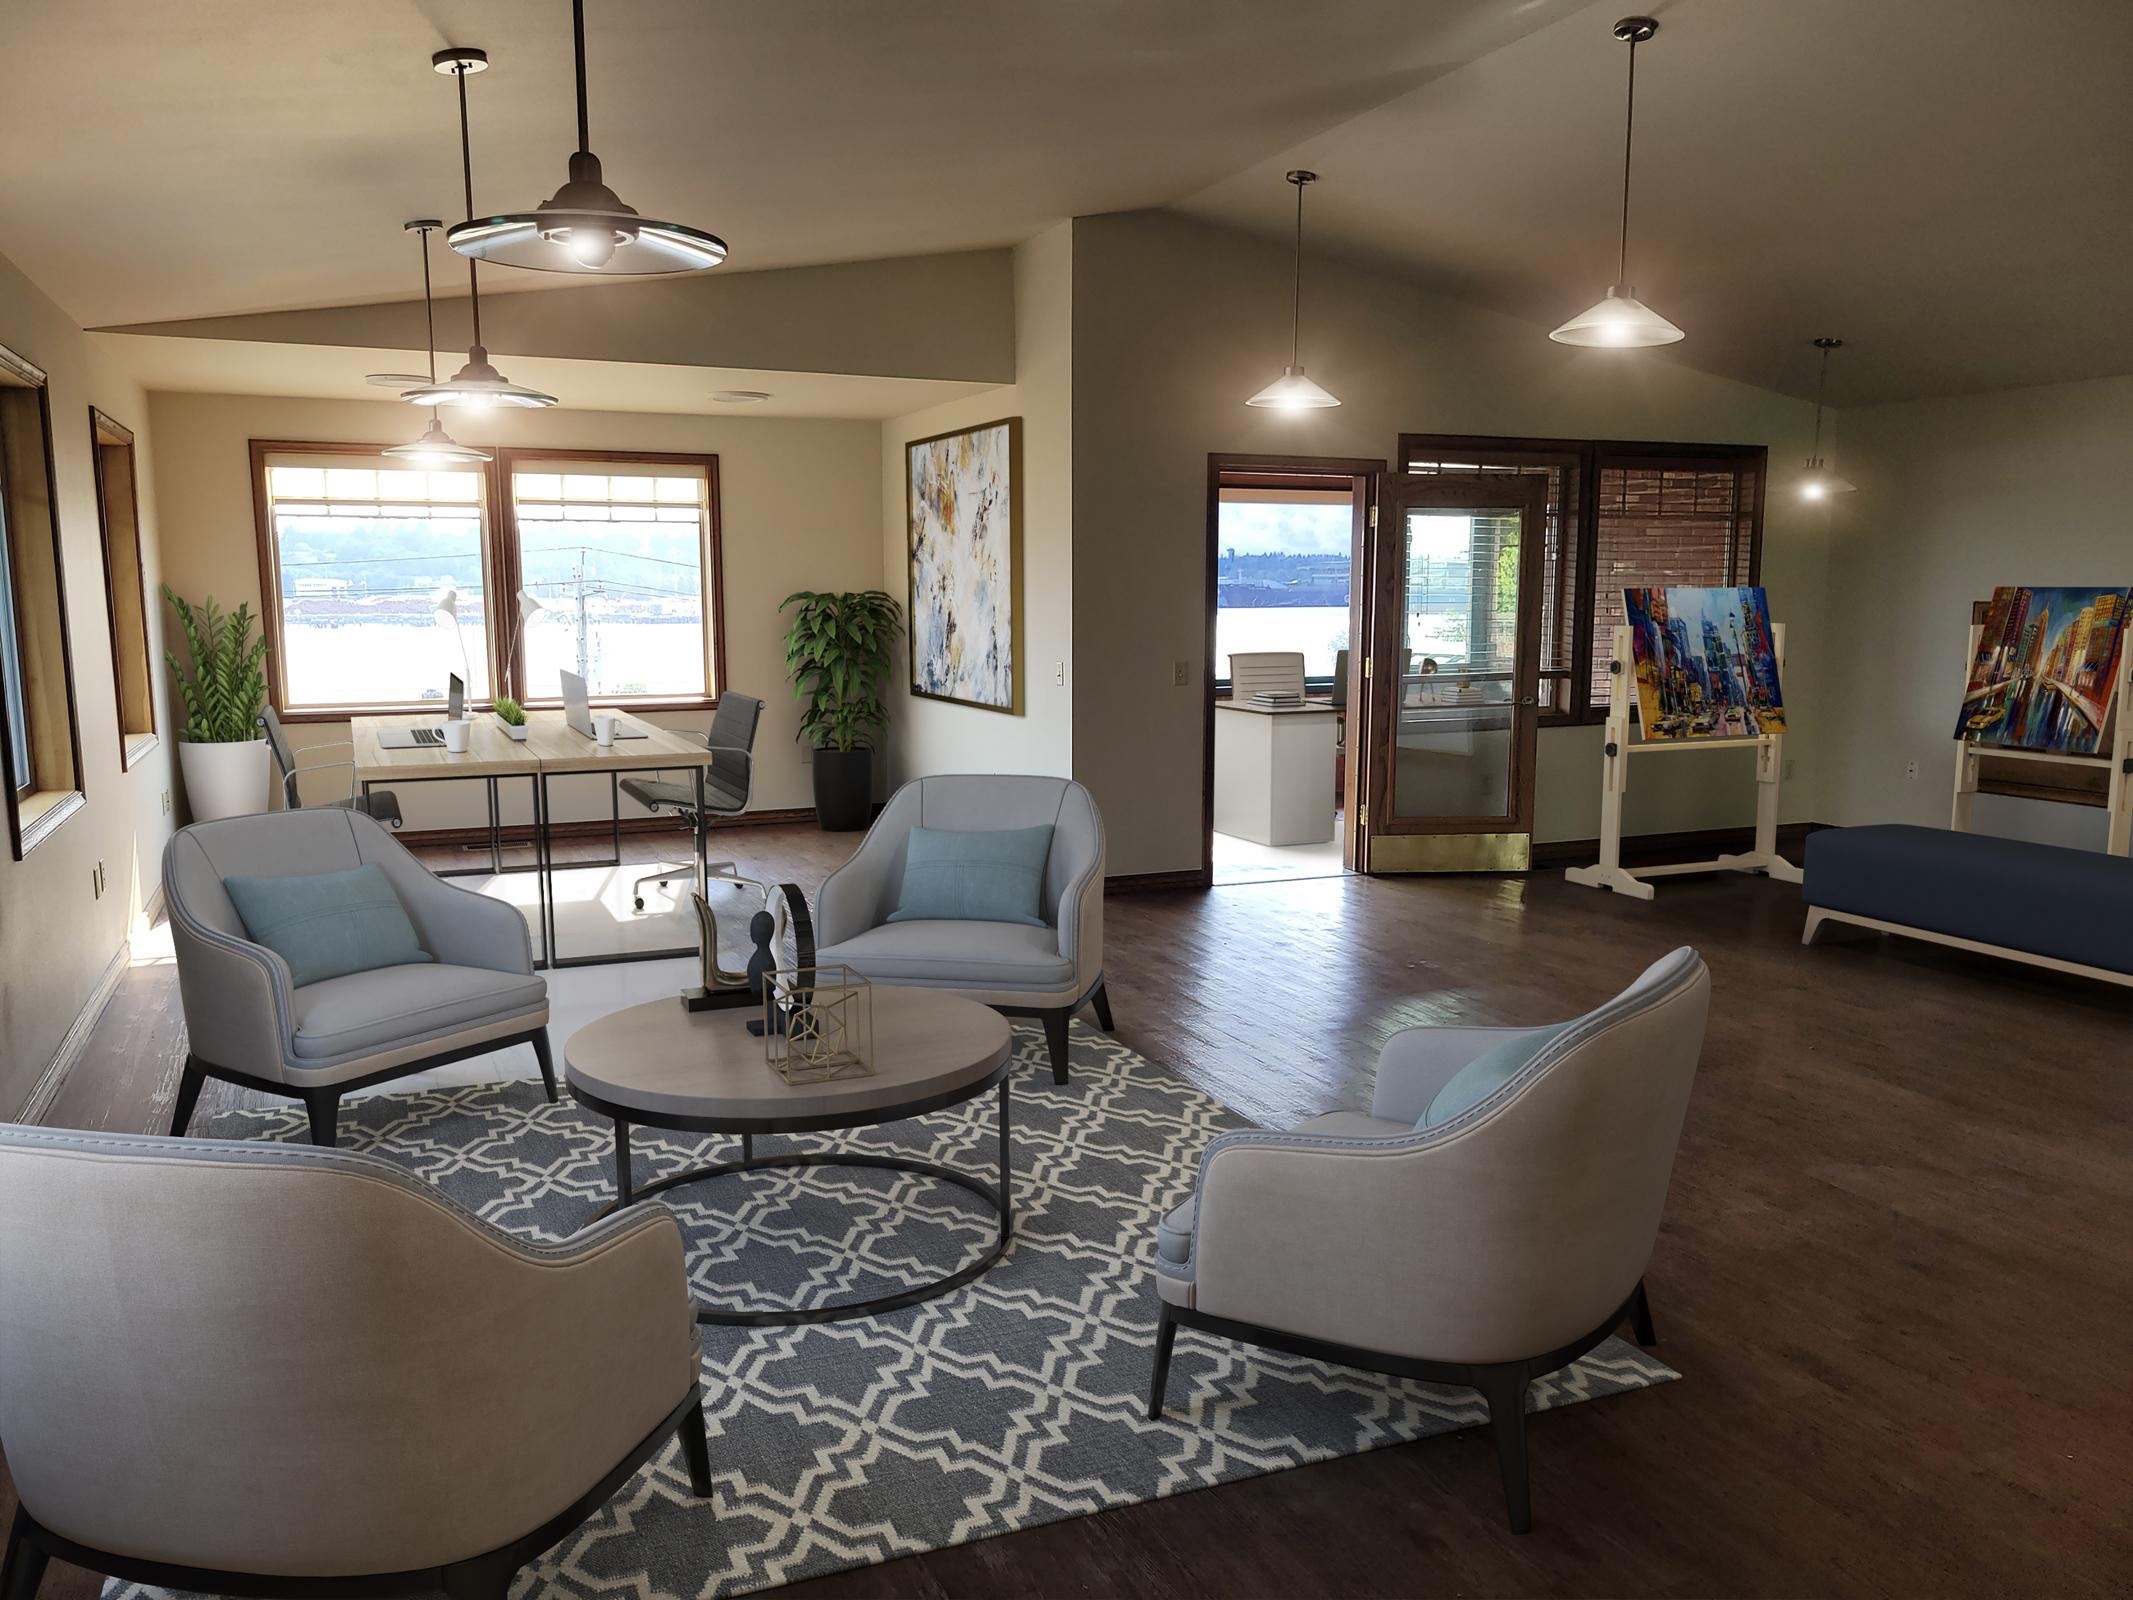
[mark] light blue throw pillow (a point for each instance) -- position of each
(993, 875)
(328, 924)
(1485, 1074)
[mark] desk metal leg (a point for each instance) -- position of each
(614, 812)
(496, 854)
(699, 861)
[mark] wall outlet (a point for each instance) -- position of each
(1059, 672)
(1790, 763)
(166, 802)
(1910, 769)
(1180, 674)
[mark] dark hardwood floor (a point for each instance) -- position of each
(1896, 1270)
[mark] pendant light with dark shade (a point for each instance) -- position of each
(1292, 391)
(584, 226)
(476, 384)
(435, 448)
(1621, 321)
(1820, 483)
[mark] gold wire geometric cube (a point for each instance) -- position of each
(818, 1023)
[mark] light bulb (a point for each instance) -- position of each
(589, 247)
(1814, 489)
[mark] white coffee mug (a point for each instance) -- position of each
(603, 727)
(455, 735)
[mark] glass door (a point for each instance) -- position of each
(1452, 681)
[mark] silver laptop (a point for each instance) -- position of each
(425, 737)
(577, 711)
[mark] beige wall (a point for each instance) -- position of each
(1175, 323)
(1957, 496)
(930, 735)
(56, 937)
(800, 508)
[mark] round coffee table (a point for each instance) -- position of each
(704, 1072)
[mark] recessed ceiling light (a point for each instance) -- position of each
(739, 397)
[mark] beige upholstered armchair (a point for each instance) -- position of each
(1047, 972)
(1487, 1223)
(272, 1369)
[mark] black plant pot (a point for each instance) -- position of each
(844, 789)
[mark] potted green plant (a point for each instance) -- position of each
(837, 654)
(512, 715)
(223, 754)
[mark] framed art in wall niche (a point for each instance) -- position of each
(963, 522)
(2045, 669)
(1706, 663)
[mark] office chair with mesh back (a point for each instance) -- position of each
(382, 804)
(728, 781)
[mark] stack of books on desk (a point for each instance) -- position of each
(1276, 699)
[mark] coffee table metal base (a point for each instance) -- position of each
(1000, 1200)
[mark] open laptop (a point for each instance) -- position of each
(424, 737)
(577, 711)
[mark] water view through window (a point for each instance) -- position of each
(1282, 574)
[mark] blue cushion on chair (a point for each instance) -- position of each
(328, 924)
(1486, 1073)
(993, 875)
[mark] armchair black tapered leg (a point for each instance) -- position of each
(189, 1082)
(484, 1578)
(547, 1060)
(696, 1449)
(1640, 1317)
(1055, 1037)
(1504, 1388)
(1100, 1003)
(1166, 1334)
(324, 1106)
(23, 1569)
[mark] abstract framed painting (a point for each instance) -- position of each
(1706, 663)
(2046, 670)
(963, 521)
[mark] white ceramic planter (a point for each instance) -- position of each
(224, 780)
(515, 731)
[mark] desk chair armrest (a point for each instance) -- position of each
(288, 779)
(240, 1010)
(1417, 1062)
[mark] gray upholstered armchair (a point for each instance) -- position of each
(267, 1369)
(1049, 972)
(1487, 1223)
(248, 1022)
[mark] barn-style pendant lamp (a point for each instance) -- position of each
(1621, 321)
(584, 226)
(1819, 483)
(435, 448)
(1292, 391)
(477, 384)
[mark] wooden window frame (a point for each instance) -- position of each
(34, 814)
(1591, 457)
(105, 433)
(711, 574)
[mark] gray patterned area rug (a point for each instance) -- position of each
(1014, 1401)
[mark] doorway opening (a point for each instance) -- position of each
(1287, 553)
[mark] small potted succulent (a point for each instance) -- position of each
(837, 654)
(512, 715)
(223, 687)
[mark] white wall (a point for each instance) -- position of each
(800, 508)
(1176, 322)
(1956, 496)
(56, 937)
(927, 736)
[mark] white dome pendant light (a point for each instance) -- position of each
(477, 384)
(584, 226)
(1621, 321)
(1292, 391)
(1820, 483)
(435, 448)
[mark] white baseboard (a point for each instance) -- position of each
(46, 1089)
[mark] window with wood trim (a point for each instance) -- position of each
(1619, 515)
(42, 744)
(381, 582)
(118, 512)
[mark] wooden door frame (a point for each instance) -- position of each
(1525, 708)
(1364, 473)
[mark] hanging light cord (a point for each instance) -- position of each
(466, 173)
(577, 32)
(1297, 291)
(1629, 134)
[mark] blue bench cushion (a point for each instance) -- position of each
(2071, 905)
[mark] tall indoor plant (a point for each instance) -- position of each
(223, 754)
(837, 654)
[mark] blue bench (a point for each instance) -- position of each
(2070, 910)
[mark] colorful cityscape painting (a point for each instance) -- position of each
(2046, 666)
(1706, 664)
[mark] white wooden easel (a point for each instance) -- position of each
(2118, 759)
(1608, 872)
